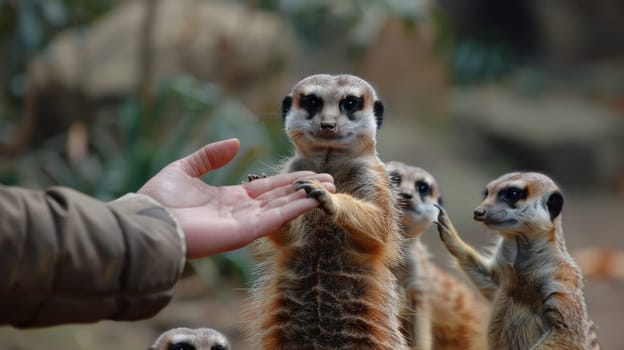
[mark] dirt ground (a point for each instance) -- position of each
(590, 219)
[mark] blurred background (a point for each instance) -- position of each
(98, 95)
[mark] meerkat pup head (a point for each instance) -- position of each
(191, 339)
(525, 203)
(418, 194)
(332, 111)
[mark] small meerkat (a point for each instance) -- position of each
(327, 283)
(191, 339)
(440, 312)
(535, 287)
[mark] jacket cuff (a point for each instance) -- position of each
(140, 202)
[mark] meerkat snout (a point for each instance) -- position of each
(328, 125)
(479, 214)
(405, 195)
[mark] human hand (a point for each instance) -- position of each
(220, 218)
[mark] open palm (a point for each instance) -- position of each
(216, 219)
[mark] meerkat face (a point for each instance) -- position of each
(521, 203)
(331, 111)
(418, 195)
(191, 339)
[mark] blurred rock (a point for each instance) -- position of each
(213, 40)
(241, 48)
(576, 141)
(403, 66)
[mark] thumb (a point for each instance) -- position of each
(211, 156)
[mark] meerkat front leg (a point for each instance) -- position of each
(476, 266)
(421, 326)
(352, 214)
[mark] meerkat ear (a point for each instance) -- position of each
(554, 204)
(378, 110)
(286, 105)
(440, 202)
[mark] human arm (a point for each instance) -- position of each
(71, 258)
(68, 258)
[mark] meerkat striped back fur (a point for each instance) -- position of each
(327, 283)
(440, 312)
(534, 286)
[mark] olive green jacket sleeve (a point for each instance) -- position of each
(68, 258)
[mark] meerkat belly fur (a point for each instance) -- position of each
(535, 288)
(440, 312)
(328, 284)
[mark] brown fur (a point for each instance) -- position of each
(327, 281)
(534, 286)
(440, 312)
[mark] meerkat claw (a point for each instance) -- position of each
(316, 193)
(443, 224)
(311, 189)
(442, 218)
(251, 177)
(314, 190)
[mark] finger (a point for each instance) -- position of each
(260, 186)
(329, 186)
(289, 192)
(281, 197)
(280, 192)
(201, 244)
(270, 220)
(211, 156)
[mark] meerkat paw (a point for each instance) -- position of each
(251, 177)
(445, 227)
(315, 190)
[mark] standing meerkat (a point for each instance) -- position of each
(327, 283)
(440, 312)
(191, 339)
(535, 287)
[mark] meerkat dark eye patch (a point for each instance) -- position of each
(218, 347)
(181, 346)
(378, 110)
(554, 204)
(423, 188)
(286, 105)
(311, 103)
(351, 104)
(511, 195)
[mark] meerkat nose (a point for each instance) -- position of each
(405, 195)
(328, 125)
(479, 214)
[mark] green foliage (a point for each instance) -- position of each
(26, 26)
(475, 61)
(127, 142)
(349, 25)
(128, 147)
